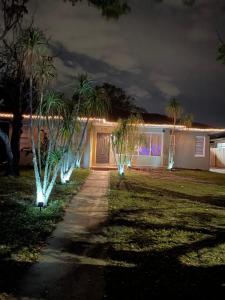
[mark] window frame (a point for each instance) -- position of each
(204, 143)
(150, 134)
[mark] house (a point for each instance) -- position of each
(191, 145)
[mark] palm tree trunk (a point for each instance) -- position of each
(82, 139)
(171, 145)
(17, 125)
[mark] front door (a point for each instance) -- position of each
(103, 148)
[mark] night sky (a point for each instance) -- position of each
(157, 51)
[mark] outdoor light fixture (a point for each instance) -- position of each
(40, 205)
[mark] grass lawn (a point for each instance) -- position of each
(23, 228)
(166, 236)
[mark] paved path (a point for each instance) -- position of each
(217, 170)
(65, 271)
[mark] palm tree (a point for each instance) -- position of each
(95, 104)
(83, 89)
(50, 119)
(39, 71)
(44, 72)
(187, 121)
(87, 102)
(33, 45)
(174, 111)
(125, 138)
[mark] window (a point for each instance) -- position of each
(220, 145)
(152, 146)
(156, 145)
(144, 147)
(199, 146)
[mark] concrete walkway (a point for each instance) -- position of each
(65, 271)
(217, 170)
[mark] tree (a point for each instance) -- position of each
(5, 139)
(87, 103)
(110, 9)
(174, 111)
(38, 71)
(189, 3)
(48, 155)
(221, 53)
(13, 80)
(187, 120)
(125, 139)
(121, 104)
(17, 80)
(12, 12)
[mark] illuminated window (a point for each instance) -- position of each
(143, 150)
(144, 147)
(199, 146)
(156, 144)
(152, 145)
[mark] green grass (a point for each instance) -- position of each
(166, 235)
(23, 227)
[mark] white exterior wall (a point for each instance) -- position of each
(148, 160)
(185, 151)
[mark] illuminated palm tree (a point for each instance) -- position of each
(95, 104)
(87, 102)
(174, 111)
(44, 72)
(50, 121)
(125, 139)
(39, 71)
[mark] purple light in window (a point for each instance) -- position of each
(156, 150)
(144, 151)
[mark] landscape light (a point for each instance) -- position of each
(40, 205)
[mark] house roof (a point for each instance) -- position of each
(156, 120)
(217, 136)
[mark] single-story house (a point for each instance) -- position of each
(192, 145)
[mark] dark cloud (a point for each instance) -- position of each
(158, 51)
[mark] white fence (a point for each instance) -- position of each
(217, 157)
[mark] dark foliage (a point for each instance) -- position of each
(122, 105)
(110, 9)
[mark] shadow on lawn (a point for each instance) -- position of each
(137, 275)
(144, 274)
(211, 200)
(155, 274)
